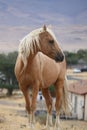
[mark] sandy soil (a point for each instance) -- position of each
(13, 117)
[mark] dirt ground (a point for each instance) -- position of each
(13, 117)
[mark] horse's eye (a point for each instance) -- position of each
(51, 41)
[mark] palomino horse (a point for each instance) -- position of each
(41, 63)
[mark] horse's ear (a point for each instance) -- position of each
(44, 28)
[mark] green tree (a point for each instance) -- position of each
(82, 54)
(7, 63)
(71, 58)
(74, 58)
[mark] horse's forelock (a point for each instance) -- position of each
(51, 33)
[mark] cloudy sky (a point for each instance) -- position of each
(67, 18)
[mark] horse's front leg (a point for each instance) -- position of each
(48, 100)
(59, 92)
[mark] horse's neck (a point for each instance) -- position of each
(32, 56)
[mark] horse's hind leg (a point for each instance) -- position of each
(59, 91)
(27, 99)
(31, 106)
(33, 103)
(48, 100)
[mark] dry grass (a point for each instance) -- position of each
(82, 76)
(13, 117)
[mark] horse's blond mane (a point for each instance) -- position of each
(28, 45)
(30, 42)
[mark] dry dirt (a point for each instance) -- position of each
(80, 76)
(13, 117)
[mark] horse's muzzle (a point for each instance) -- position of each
(59, 57)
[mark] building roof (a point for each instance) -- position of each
(79, 87)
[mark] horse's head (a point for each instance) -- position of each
(49, 45)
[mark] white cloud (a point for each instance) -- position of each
(71, 41)
(10, 37)
(70, 37)
(82, 17)
(16, 12)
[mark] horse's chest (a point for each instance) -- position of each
(50, 75)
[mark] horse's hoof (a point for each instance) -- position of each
(31, 126)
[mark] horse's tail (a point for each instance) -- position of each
(65, 99)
